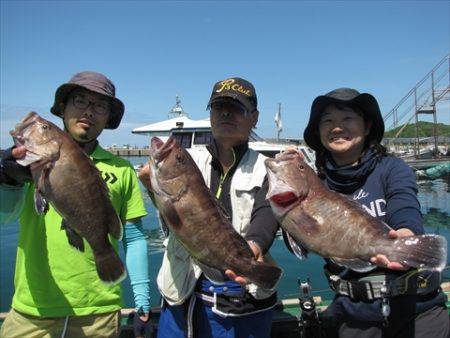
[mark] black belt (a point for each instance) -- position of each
(379, 286)
(236, 305)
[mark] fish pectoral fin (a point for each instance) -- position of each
(298, 249)
(177, 186)
(355, 264)
(74, 239)
(170, 214)
(115, 227)
(40, 203)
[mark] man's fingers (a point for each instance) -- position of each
(231, 275)
(393, 234)
(396, 266)
(19, 152)
(381, 260)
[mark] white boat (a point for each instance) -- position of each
(197, 133)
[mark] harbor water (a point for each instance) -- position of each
(434, 197)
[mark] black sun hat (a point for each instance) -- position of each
(237, 89)
(94, 82)
(366, 102)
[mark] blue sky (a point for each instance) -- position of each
(291, 51)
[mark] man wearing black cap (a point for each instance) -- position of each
(57, 290)
(236, 175)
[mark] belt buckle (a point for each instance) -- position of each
(335, 281)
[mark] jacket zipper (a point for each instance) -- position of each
(224, 176)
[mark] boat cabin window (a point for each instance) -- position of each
(185, 139)
(203, 137)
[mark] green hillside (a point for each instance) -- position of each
(425, 129)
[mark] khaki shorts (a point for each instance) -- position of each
(20, 325)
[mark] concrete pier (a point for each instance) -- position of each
(129, 152)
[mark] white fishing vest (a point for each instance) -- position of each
(178, 274)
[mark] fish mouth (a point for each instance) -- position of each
(284, 199)
(160, 150)
(20, 127)
(280, 193)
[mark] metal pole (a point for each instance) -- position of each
(395, 119)
(416, 148)
(434, 115)
(279, 115)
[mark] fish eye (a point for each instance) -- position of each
(44, 126)
(301, 166)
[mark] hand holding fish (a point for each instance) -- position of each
(19, 152)
(11, 172)
(382, 260)
(334, 226)
(192, 214)
(144, 176)
(258, 257)
(55, 162)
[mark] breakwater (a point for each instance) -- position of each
(129, 151)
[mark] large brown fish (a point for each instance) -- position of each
(336, 227)
(193, 215)
(66, 177)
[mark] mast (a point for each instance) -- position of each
(177, 110)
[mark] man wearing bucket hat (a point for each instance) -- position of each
(345, 129)
(57, 290)
(236, 175)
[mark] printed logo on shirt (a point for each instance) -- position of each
(109, 177)
(375, 208)
(361, 194)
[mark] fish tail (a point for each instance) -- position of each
(265, 275)
(110, 268)
(428, 252)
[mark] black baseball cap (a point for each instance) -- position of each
(237, 89)
(348, 96)
(94, 82)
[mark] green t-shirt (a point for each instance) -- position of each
(52, 279)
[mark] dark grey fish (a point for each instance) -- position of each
(336, 227)
(66, 177)
(193, 215)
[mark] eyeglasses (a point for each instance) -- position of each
(82, 102)
(230, 108)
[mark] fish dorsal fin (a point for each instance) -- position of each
(355, 264)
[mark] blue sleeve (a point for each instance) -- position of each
(402, 205)
(12, 201)
(136, 256)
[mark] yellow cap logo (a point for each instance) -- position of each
(230, 85)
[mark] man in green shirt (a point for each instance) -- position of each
(57, 289)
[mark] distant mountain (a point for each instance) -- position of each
(425, 130)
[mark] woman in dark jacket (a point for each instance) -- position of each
(345, 129)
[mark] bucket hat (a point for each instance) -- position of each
(364, 101)
(94, 82)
